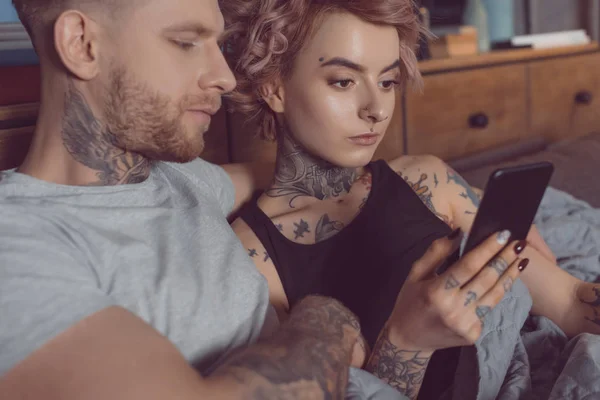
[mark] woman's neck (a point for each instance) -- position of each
(298, 174)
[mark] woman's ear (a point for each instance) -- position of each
(77, 44)
(274, 95)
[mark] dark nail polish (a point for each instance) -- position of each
(520, 246)
(523, 264)
(454, 234)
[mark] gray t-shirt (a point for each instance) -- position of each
(162, 249)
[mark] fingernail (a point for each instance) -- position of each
(520, 246)
(523, 264)
(454, 234)
(503, 237)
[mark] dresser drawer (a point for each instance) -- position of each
(462, 113)
(565, 96)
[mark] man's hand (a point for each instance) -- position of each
(434, 312)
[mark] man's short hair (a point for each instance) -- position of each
(39, 15)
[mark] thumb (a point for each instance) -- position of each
(437, 256)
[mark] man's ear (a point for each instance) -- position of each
(274, 95)
(77, 45)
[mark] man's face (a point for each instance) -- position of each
(165, 78)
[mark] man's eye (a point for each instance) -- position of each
(184, 45)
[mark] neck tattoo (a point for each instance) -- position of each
(299, 174)
(92, 144)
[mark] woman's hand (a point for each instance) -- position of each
(433, 311)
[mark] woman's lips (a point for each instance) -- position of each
(366, 139)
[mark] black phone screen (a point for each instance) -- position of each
(510, 201)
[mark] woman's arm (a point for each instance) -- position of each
(569, 302)
(264, 264)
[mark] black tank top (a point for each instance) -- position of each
(366, 263)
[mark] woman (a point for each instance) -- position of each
(321, 77)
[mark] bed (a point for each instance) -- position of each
(576, 162)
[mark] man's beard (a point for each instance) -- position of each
(150, 123)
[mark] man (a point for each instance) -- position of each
(118, 270)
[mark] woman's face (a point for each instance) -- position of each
(340, 97)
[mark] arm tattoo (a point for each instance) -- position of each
(252, 253)
(327, 228)
(499, 264)
(451, 282)
(425, 195)
(266, 257)
(594, 304)
(468, 193)
(297, 174)
(94, 146)
(403, 370)
(308, 358)
(481, 312)
(471, 297)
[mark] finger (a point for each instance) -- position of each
(489, 276)
(497, 292)
(435, 255)
(470, 264)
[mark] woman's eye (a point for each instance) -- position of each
(389, 84)
(343, 83)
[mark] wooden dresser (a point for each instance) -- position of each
(479, 103)
(468, 106)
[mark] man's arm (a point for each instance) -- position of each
(248, 178)
(569, 302)
(115, 355)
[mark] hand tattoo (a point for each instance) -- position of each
(481, 312)
(309, 355)
(298, 173)
(401, 369)
(499, 264)
(327, 228)
(471, 297)
(508, 282)
(451, 282)
(94, 146)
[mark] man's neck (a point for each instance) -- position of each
(85, 152)
(298, 174)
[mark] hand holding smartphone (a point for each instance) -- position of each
(510, 202)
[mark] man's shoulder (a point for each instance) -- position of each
(197, 170)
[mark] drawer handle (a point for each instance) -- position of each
(584, 97)
(479, 121)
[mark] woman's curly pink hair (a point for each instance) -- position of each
(264, 37)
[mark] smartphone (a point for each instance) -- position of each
(511, 199)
